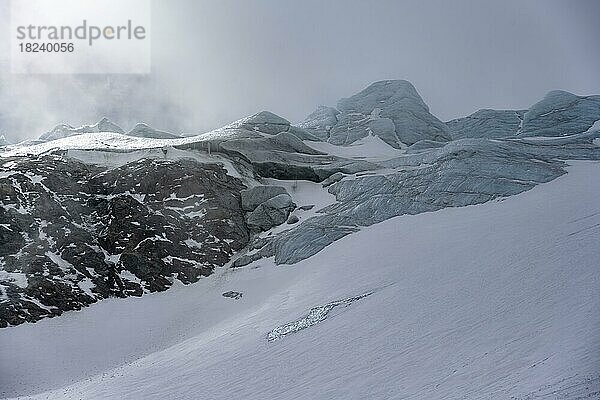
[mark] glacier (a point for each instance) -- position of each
(487, 301)
(116, 249)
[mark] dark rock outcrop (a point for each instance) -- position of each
(271, 213)
(233, 295)
(67, 228)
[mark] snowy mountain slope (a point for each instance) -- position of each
(93, 141)
(266, 122)
(62, 199)
(483, 301)
(497, 300)
(463, 172)
(64, 130)
(53, 259)
(561, 113)
(275, 155)
(370, 148)
(143, 130)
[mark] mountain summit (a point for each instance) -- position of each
(390, 109)
(65, 130)
(561, 113)
(143, 130)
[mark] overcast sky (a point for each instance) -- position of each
(216, 61)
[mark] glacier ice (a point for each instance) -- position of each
(561, 113)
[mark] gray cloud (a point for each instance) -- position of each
(215, 61)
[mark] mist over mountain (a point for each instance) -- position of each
(265, 224)
(302, 200)
(217, 63)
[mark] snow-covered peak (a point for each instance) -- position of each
(561, 113)
(264, 121)
(381, 94)
(105, 125)
(393, 110)
(143, 130)
(64, 130)
(267, 117)
(58, 132)
(560, 95)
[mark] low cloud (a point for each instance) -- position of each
(216, 61)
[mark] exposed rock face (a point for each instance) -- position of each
(143, 130)
(233, 295)
(392, 110)
(561, 114)
(487, 124)
(65, 224)
(64, 130)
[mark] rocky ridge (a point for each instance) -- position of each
(74, 233)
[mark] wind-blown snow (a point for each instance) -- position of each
(126, 149)
(93, 141)
(498, 300)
